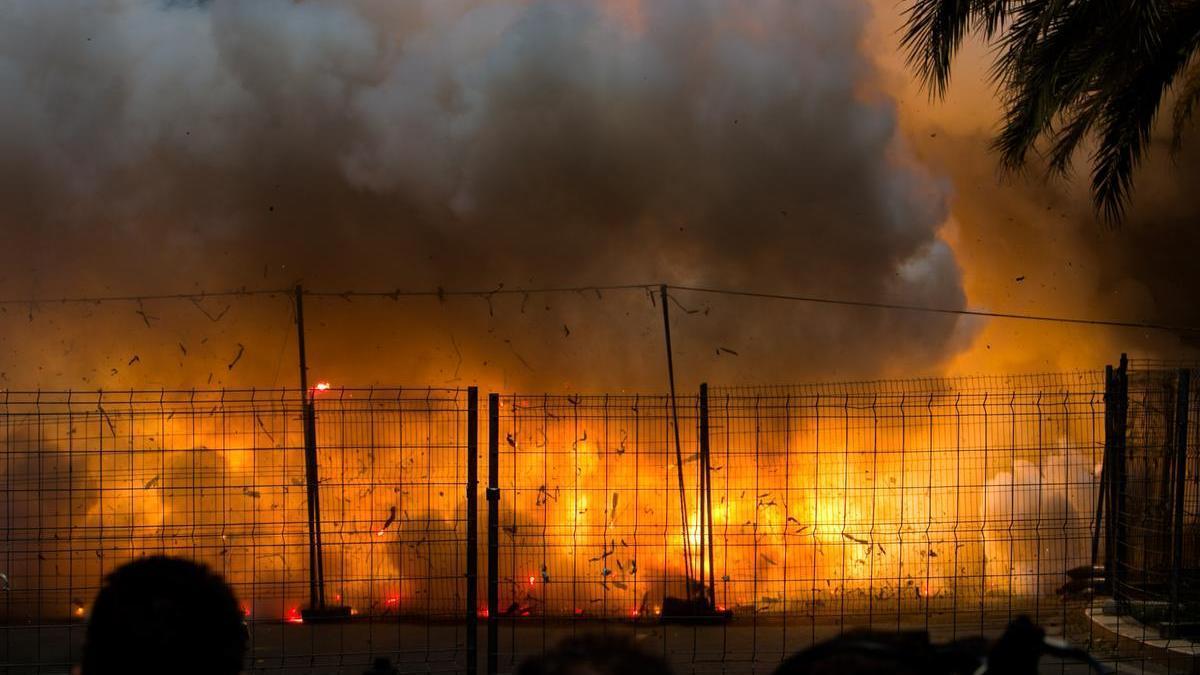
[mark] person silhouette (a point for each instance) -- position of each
(164, 615)
(595, 654)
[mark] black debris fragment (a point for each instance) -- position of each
(237, 357)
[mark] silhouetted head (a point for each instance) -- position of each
(900, 653)
(164, 615)
(595, 655)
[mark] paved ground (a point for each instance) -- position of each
(740, 647)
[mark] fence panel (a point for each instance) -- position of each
(92, 480)
(1159, 517)
(939, 504)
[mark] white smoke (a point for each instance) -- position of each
(164, 145)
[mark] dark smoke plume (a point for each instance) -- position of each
(162, 146)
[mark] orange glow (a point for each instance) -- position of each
(896, 511)
(322, 386)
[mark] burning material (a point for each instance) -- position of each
(865, 501)
(855, 502)
(219, 477)
(387, 523)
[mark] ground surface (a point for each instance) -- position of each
(740, 647)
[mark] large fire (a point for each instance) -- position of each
(861, 502)
(864, 501)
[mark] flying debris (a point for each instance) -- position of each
(210, 315)
(108, 420)
(141, 311)
(544, 496)
(237, 357)
(135, 359)
(260, 423)
(387, 523)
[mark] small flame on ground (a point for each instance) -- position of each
(293, 616)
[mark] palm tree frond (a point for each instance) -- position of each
(1072, 133)
(1132, 104)
(1049, 63)
(934, 31)
(1185, 105)
(1070, 70)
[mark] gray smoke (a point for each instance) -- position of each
(161, 146)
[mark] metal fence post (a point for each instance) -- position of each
(1103, 518)
(1120, 409)
(493, 544)
(706, 529)
(1181, 437)
(472, 531)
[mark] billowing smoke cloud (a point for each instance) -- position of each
(160, 146)
(1032, 242)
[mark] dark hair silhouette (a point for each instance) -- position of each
(164, 615)
(595, 655)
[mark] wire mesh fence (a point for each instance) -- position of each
(950, 505)
(1157, 574)
(789, 514)
(94, 480)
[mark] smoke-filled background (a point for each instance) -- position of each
(156, 146)
(1032, 243)
(163, 146)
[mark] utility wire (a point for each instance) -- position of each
(941, 310)
(499, 290)
(96, 300)
(442, 293)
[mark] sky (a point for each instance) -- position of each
(158, 146)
